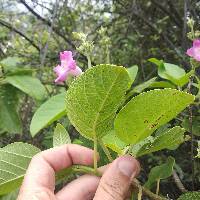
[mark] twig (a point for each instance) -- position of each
(147, 192)
(7, 25)
(191, 133)
(92, 171)
(178, 182)
(158, 186)
(47, 22)
(106, 151)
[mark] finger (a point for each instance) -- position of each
(84, 188)
(116, 180)
(42, 168)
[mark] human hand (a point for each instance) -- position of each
(39, 181)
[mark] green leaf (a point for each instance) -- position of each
(28, 84)
(139, 88)
(132, 71)
(195, 125)
(143, 114)
(14, 160)
(9, 116)
(113, 142)
(61, 136)
(156, 61)
(174, 73)
(11, 196)
(162, 84)
(160, 172)
(10, 63)
(170, 139)
(94, 98)
(190, 196)
(144, 85)
(50, 111)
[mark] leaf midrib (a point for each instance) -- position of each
(102, 105)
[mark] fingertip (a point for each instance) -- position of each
(128, 165)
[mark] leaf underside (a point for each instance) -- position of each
(170, 139)
(93, 99)
(61, 136)
(14, 160)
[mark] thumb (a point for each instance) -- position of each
(115, 182)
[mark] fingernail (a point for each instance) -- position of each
(127, 165)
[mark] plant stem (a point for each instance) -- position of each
(191, 128)
(178, 182)
(140, 193)
(89, 62)
(106, 151)
(147, 192)
(95, 154)
(158, 186)
(89, 170)
(107, 55)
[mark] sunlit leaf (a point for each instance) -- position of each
(132, 71)
(143, 114)
(94, 98)
(170, 139)
(61, 136)
(113, 142)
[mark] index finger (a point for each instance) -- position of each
(42, 168)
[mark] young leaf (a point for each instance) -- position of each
(132, 71)
(146, 112)
(61, 136)
(167, 140)
(9, 117)
(113, 142)
(171, 72)
(29, 85)
(190, 196)
(50, 111)
(14, 160)
(94, 98)
(160, 172)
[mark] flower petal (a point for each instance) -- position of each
(190, 52)
(197, 57)
(196, 43)
(66, 55)
(76, 72)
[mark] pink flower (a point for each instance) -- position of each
(194, 52)
(67, 67)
